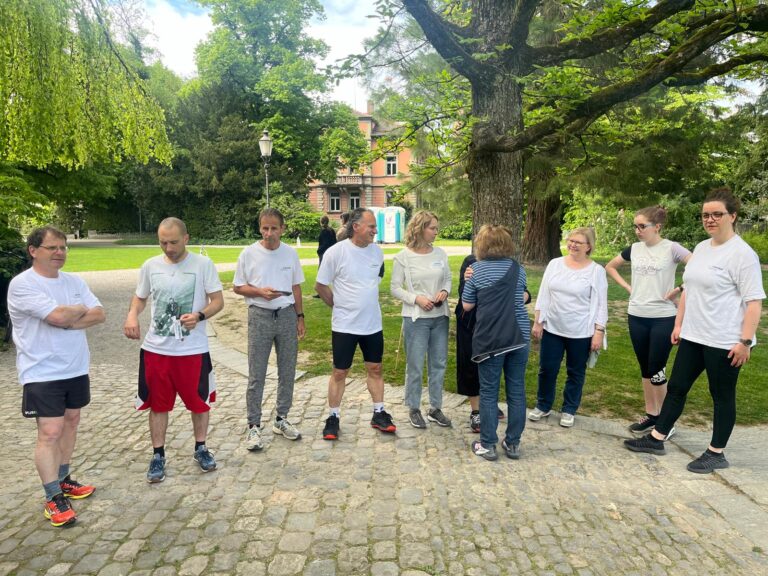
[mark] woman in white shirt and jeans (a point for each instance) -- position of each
(651, 316)
(421, 278)
(715, 328)
(571, 313)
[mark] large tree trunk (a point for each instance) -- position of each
(542, 229)
(496, 179)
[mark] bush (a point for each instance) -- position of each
(457, 230)
(759, 243)
(301, 219)
(13, 259)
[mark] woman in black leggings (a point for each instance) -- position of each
(715, 327)
(651, 315)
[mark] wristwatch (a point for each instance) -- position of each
(200, 316)
(300, 315)
(746, 341)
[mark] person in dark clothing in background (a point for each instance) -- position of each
(326, 239)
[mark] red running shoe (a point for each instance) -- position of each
(73, 489)
(59, 512)
(383, 421)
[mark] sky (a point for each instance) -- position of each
(179, 25)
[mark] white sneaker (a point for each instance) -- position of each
(535, 415)
(566, 420)
(254, 441)
(287, 429)
(670, 434)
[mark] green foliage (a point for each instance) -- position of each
(13, 259)
(759, 243)
(67, 96)
(458, 230)
(301, 220)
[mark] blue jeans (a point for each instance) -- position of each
(576, 352)
(513, 363)
(425, 337)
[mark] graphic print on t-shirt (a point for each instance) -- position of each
(174, 297)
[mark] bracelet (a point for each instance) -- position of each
(599, 329)
(300, 315)
(681, 288)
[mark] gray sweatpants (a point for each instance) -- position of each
(264, 328)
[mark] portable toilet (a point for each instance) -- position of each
(394, 224)
(390, 223)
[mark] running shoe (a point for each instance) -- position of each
(74, 490)
(59, 512)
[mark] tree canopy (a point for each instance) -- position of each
(67, 95)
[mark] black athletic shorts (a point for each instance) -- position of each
(344, 346)
(51, 399)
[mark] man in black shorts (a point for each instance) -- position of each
(355, 267)
(50, 311)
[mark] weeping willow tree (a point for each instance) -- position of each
(67, 95)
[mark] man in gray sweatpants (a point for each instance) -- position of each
(269, 275)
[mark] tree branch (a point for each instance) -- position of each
(579, 48)
(444, 38)
(694, 78)
(753, 19)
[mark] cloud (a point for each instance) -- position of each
(178, 27)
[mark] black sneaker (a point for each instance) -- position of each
(416, 419)
(647, 444)
(644, 425)
(708, 462)
(331, 430)
(474, 422)
(383, 421)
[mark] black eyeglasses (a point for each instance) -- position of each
(642, 226)
(716, 216)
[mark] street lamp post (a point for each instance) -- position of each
(265, 144)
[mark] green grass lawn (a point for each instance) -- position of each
(613, 387)
(99, 258)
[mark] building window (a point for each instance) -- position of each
(354, 200)
(335, 202)
(391, 166)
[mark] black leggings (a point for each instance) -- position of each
(691, 360)
(651, 341)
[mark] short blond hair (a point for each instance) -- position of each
(414, 232)
(588, 233)
(493, 241)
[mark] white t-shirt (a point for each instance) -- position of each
(260, 267)
(355, 275)
(653, 275)
(45, 352)
(420, 275)
(177, 289)
(570, 301)
(719, 281)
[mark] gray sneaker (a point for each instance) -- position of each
(156, 472)
(708, 463)
(253, 440)
(535, 415)
(512, 450)
(287, 429)
(205, 459)
(416, 419)
(436, 415)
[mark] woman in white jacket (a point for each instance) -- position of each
(421, 278)
(571, 314)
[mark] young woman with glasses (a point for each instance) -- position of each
(650, 315)
(715, 328)
(571, 313)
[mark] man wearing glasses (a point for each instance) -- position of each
(50, 311)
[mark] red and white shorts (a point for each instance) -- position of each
(161, 377)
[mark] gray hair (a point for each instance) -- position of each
(355, 216)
